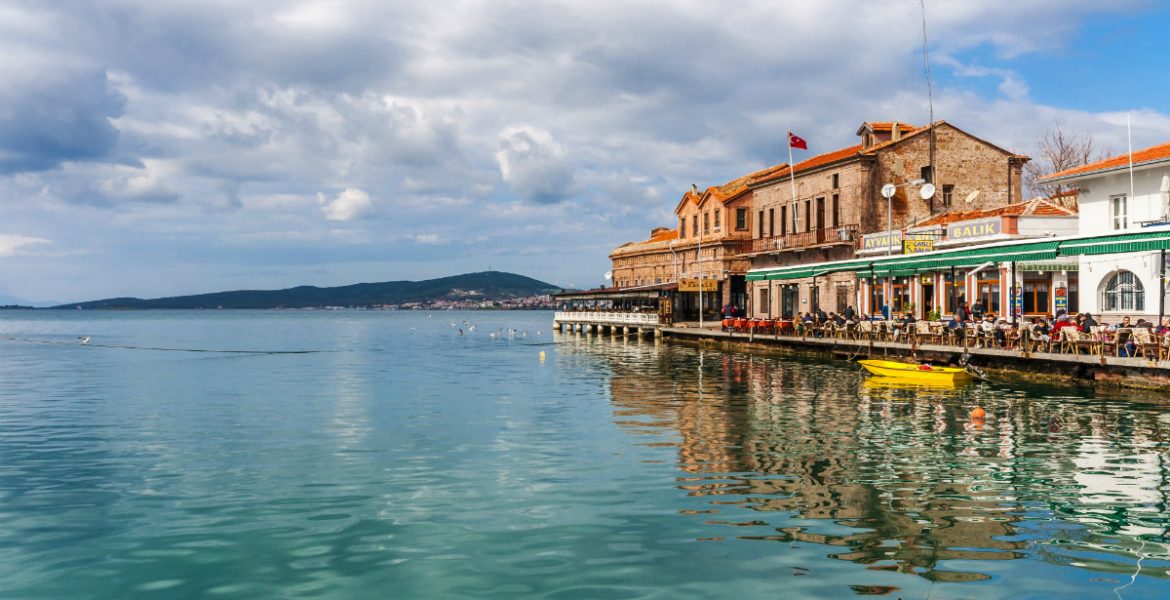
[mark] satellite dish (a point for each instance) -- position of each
(888, 190)
(971, 197)
(927, 191)
(608, 275)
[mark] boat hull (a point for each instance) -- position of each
(917, 373)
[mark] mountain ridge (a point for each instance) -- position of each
(468, 288)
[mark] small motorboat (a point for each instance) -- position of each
(918, 373)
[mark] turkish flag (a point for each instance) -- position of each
(796, 141)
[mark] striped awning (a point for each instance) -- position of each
(1117, 244)
(1038, 255)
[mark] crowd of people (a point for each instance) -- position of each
(988, 328)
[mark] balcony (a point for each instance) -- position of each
(828, 236)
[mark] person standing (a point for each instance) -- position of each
(977, 310)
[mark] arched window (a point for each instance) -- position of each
(1123, 292)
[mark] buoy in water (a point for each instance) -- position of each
(978, 413)
(542, 356)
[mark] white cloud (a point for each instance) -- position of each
(159, 124)
(535, 166)
(12, 245)
(346, 206)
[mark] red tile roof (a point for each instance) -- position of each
(663, 234)
(1157, 153)
(781, 171)
(1037, 207)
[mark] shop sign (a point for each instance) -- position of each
(913, 246)
(881, 241)
(693, 285)
(978, 228)
(1061, 298)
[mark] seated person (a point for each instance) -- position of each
(903, 324)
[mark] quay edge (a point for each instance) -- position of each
(999, 365)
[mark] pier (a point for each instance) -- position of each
(611, 323)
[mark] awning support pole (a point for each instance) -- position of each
(1012, 300)
(1162, 288)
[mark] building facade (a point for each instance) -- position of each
(831, 208)
(1127, 196)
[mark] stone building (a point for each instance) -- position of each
(831, 207)
(705, 255)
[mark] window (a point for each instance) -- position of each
(954, 292)
(760, 223)
(682, 227)
(695, 226)
(706, 223)
(948, 194)
(764, 309)
(807, 220)
(900, 294)
(741, 219)
(783, 220)
(717, 212)
(1036, 296)
(836, 210)
(1117, 209)
(836, 181)
(927, 174)
(987, 292)
(1124, 292)
(771, 221)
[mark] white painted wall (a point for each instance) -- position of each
(1146, 204)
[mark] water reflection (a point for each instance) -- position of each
(900, 479)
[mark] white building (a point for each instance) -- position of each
(1126, 195)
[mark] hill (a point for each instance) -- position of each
(465, 291)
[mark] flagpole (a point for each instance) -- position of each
(792, 180)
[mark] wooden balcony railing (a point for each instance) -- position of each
(845, 234)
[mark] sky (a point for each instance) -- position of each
(156, 149)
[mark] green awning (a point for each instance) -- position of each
(1117, 244)
(1047, 267)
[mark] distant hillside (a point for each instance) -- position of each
(490, 286)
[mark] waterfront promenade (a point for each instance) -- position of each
(1068, 359)
(1022, 360)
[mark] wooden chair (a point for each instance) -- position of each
(1107, 341)
(1146, 344)
(923, 334)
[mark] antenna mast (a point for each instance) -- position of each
(929, 97)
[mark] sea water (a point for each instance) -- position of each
(383, 454)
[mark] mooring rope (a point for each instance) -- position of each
(86, 343)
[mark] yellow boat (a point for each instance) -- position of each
(923, 374)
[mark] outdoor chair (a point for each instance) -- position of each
(1145, 343)
(1108, 341)
(923, 334)
(865, 330)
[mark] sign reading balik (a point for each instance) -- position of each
(978, 228)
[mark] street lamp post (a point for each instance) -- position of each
(888, 191)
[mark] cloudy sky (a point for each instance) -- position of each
(155, 148)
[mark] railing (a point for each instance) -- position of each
(845, 234)
(607, 318)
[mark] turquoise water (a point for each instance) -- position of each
(401, 459)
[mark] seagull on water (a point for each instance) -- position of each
(84, 340)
